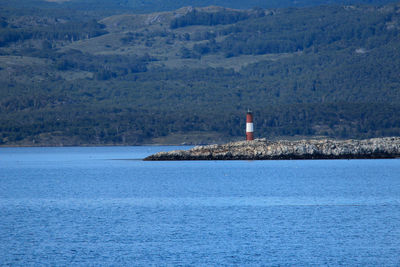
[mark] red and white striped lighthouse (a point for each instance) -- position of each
(249, 126)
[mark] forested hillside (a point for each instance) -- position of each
(189, 75)
(101, 7)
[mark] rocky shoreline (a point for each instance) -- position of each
(263, 149)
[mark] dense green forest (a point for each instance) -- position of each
(189, 75)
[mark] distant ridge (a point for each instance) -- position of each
(168, 5)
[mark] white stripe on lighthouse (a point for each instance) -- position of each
(249, 127)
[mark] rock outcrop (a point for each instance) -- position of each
(262, 149)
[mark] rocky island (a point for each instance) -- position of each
(263, 149)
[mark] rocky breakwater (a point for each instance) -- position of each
(262, 149)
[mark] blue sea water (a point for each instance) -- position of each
(104, 206)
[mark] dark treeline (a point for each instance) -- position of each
(105, 125)
(104, 66)
(68, 31)
(208, 18)
(285, 33)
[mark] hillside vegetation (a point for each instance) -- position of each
(95, 78)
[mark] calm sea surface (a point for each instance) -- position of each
(104, 206)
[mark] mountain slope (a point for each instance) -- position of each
(193, 72)
(148, 6)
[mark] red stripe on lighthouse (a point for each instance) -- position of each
(249, 126)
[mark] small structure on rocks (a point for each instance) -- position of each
(249, 126)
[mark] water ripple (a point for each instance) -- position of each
(201, 201)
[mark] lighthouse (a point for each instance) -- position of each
(249, 126)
